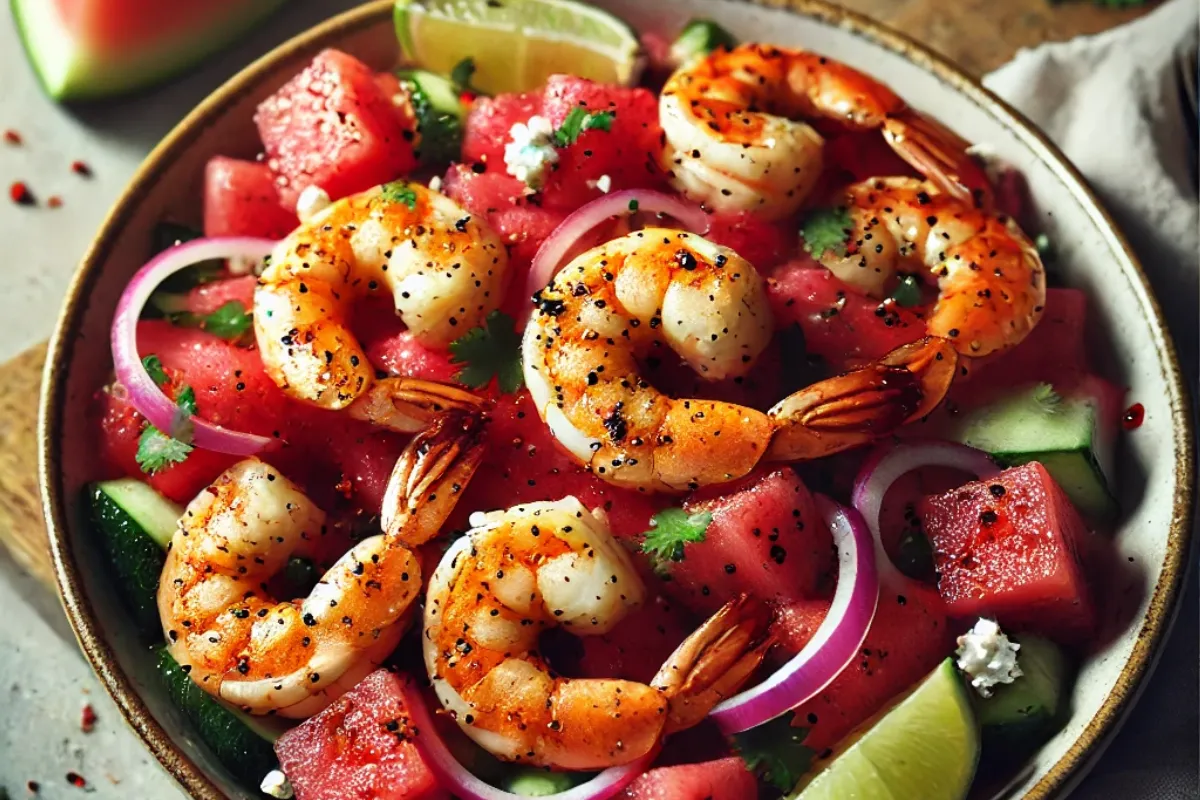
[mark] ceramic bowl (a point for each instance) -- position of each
(1156, 463)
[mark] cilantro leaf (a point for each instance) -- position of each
(491, 350)
(232, 322)
(154, 369)
(908, 292)
(461, 75)
(579, 120)
(775, 750)
(399, 192)
(186, 401)
(156, 451)
(670, 530)
(826, 229)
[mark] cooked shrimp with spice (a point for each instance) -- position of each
(524, 570)
(990, 278)
(443, 268)
(294, 657)
(738, 136)
(660, 288)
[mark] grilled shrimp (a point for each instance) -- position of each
(294, 657)
(445, 270)
(660, 288)
(737, 139)
(532, 567)
(991, 282)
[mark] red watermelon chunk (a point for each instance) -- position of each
(845, 328)
(348, 752)
(908, 637)
(392, 348)
(488, 125)
(335, 126)
(1010, 548)
(765, 539)
(764, 244)
(241, 199)
(639, 646)
(208, 297)
(723, 779)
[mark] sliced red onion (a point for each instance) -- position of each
(837, 640)
(143, 393)
(616, 204)
(890, 462)
(461, 783)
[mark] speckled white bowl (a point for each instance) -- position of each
(1156, 466)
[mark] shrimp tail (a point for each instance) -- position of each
(430, 475)
(940, 155)
(410, 405)
(862, 405)
(714, 662)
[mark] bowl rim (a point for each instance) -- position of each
(1061, 777)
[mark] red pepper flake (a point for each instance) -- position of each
(33, 786)
(87, 720)
(55, 201)
(467, 98)
(80, 168)
(19, 193)
(76, 780)
(1133, 417)
(345, 488)
(12, 137)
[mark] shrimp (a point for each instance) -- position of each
(658, 288)
(294, 657)
(990, 278)
(521, 571)
(737, 139)
(445, 271)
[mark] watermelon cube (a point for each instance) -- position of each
(241, 199)
(1011, 548)
(335, 126)
(723, 779)
(1055, 351)
(765, 539)
(355, 749)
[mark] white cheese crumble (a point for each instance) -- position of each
(312, 201)
(531, 151)
(435, 183)
(276, 784)
(241, 265)
(987, 655)
(603, 183)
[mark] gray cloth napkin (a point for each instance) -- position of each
(1113, 103)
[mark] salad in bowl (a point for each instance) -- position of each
(666, 417)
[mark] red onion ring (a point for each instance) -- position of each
(836, 641)
(616, 204)
(455, 777)
(890, 462)
(144, 394)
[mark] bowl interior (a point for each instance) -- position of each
(1154, 464)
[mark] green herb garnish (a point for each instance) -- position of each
(231, 322)
(908, 292)
(461, 76)
(399, 192)
(154, 369)
(826, 230)
(579, 120)
(492, 350)
(670, 530)
(775, 750)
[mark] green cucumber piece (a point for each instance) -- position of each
(539, 782)
(699, 38)
(135, 524)
(439, 113)
(238, 741)
(1021, 715)
(1062, 433)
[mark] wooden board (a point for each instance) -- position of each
(978, 34)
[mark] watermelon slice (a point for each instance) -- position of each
(86, 49)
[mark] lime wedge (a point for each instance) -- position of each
(517, 44)
(925, 747)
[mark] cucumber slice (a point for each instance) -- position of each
(135, 524)
(699, 38)
(439, 113)
(1063, 433)
(539, 783)
(1022, 714)
(238, 741)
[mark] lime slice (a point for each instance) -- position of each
(923, 748)
(517, 44)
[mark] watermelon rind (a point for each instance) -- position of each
(69, 70)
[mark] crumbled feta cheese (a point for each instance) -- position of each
(435, 183)
(603, 183)
(276, 784)
(987, 655)
(242, 265)
(311, 202)
(531, 151)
